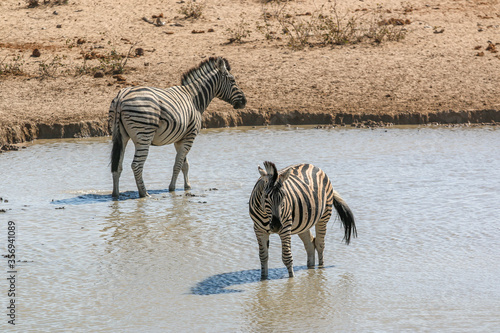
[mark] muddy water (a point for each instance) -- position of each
(427, 257)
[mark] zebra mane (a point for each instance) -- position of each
(199, 72)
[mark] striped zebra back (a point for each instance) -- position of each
(308, 195)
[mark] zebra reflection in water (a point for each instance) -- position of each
(292, 201)
(154, 116)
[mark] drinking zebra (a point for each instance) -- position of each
(290, 202)
(154, 116)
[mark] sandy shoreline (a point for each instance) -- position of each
(445, 70)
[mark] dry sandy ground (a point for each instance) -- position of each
(442, 64)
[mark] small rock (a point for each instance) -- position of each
(159, 22)
(119, 78)
(139, 51)
(98, 74)
(36, 53)
(492, 48)
(59, 26)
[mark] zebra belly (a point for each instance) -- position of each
(168, 133)
(305, 222)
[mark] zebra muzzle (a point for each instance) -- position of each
(240, 103)
(275, 225)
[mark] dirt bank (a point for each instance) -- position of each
(436, 63)
(30, 131)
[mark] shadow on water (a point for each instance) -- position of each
(217, 284)
(95, 198)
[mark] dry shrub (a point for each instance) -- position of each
(192, 10)
(49, 68)
(241, 30)
(329, 25)
(13, 67)
(36, 3)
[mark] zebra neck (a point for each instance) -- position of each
(203, 93)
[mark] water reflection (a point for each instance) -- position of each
(148, 218)
(320, 296)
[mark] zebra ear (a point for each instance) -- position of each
(284, 176)
(272, 172)
(262, 172)
(270, 168)
(221, 65)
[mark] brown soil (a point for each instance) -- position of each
(445, 70)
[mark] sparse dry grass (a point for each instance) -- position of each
(13, 67)
(328, 25)
(108, 62)
(240, 31)
(192, 10)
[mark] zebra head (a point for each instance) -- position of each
(227, 89)
(273, 194)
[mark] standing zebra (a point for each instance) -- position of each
(290, 202)
(153, 116)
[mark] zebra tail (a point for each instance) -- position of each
(114, 123)
(116, 152)
(346, 217)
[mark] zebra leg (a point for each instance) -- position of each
(181, 163)
(286, 248)
(120, 141)
(141, 154)
(308, 240)
(185, 167)
(263, 240)
(319, 241)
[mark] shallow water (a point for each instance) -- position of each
(426, 259)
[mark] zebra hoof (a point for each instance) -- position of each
(144, 195)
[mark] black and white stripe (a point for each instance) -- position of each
(292, 201)
(154, 116)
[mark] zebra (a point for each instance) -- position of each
(154, 116)
(290, 202)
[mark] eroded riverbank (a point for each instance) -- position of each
(18, 133)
